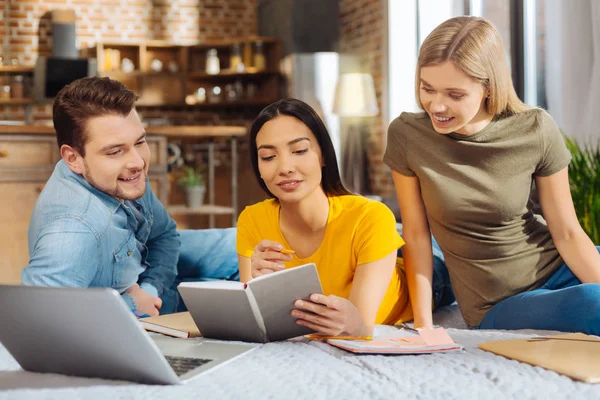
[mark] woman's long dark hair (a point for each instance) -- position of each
(331, 181)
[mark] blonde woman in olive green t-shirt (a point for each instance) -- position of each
(464, 170)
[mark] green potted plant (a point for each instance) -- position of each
(584, 179)
(192, 181)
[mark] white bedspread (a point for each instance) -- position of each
(318, 371)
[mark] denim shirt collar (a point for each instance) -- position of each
(111, 203)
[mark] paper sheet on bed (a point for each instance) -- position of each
(403, 342)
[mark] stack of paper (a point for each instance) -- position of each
(403, 342)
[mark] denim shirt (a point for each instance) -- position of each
(82, 237)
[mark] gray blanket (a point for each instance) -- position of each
(313, 370)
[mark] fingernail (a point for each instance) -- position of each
(314, 297)
(299, 303)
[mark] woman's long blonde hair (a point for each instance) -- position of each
(474, 46)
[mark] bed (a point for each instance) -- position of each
(314, 370)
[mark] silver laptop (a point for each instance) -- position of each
(92, 333)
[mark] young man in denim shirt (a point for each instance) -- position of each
(97, 222)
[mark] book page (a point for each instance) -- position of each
(275, 295)
(221, 313)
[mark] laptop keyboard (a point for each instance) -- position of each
(181, 365)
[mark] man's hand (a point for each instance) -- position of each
(146, 303)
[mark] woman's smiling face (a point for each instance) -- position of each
(454, 101)
(289, 159)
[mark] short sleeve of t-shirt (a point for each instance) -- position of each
(554, 153)
(246, 240)
(376, 234)
(396, 151)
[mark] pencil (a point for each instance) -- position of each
(286, 251)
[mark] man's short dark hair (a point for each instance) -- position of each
(83, 100)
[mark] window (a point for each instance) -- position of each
(519, 22)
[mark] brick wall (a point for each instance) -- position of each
(3, 25)
(25, 26)
(361, 32)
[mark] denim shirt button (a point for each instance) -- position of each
(128, 253)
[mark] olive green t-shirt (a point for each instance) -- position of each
(476, 190)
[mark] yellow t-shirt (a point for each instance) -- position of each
(359, 231)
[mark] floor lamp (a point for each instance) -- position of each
(355, 100)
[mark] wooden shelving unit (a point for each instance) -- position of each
(16, 102)
(16, 69)
(8, 74)
(183, 71)
(228, 75)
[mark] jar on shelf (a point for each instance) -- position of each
(200, 95)
(5, 92)
(17, 87)
(213, 66)
(247, 56)
(259, 57)
(251, 90)
(214, 95)
(235, 59)
(239, 89)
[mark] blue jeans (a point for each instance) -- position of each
(441, 286)
(563, 303)
(204, 255)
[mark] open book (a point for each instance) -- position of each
(259, 311)
(425, 342)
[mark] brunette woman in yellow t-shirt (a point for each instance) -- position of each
(352, 240)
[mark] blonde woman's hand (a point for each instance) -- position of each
(267, 258)
(330, 315)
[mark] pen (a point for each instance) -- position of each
(342, 337)
(408, 328)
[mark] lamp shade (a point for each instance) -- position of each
(355, 96)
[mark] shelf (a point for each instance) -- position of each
(227, 75)
(135, 74)
(204, 210)
(16, 69)
(15, 102)
(224, 104)
(226, 43)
